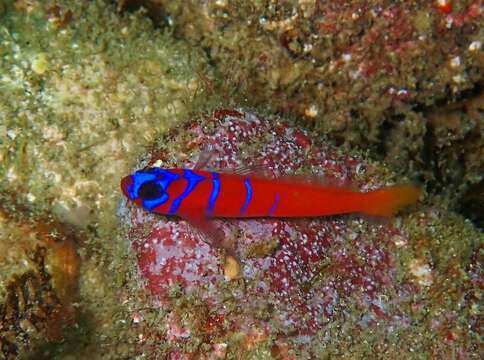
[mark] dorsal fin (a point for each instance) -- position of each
(204, 158)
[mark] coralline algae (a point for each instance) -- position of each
(296, 275)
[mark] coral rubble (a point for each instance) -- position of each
(38, 283)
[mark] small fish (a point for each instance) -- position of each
(200, 194)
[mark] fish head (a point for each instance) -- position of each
(148, 187)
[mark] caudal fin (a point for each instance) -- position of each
(388, 201)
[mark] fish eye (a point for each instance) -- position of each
(150, 190)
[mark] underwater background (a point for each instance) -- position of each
(372, 92)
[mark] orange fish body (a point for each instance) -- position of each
(201, 193)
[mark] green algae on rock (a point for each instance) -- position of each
(82, 90)
(456, 151)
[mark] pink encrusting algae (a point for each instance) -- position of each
(296, 275)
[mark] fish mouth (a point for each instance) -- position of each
(126, 182)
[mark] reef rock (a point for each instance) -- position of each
(299, 281)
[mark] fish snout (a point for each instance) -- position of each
(126, 182)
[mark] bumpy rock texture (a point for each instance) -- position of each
(38, 282)
(79, 98)
(373, 74)
(306, 288)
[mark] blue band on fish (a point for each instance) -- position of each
(274, 205)
(214, 193)
(248, 196)
(193, 180)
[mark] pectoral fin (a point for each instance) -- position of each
(215, 238)
(209, 232)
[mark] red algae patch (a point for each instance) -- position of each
(295, 276)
